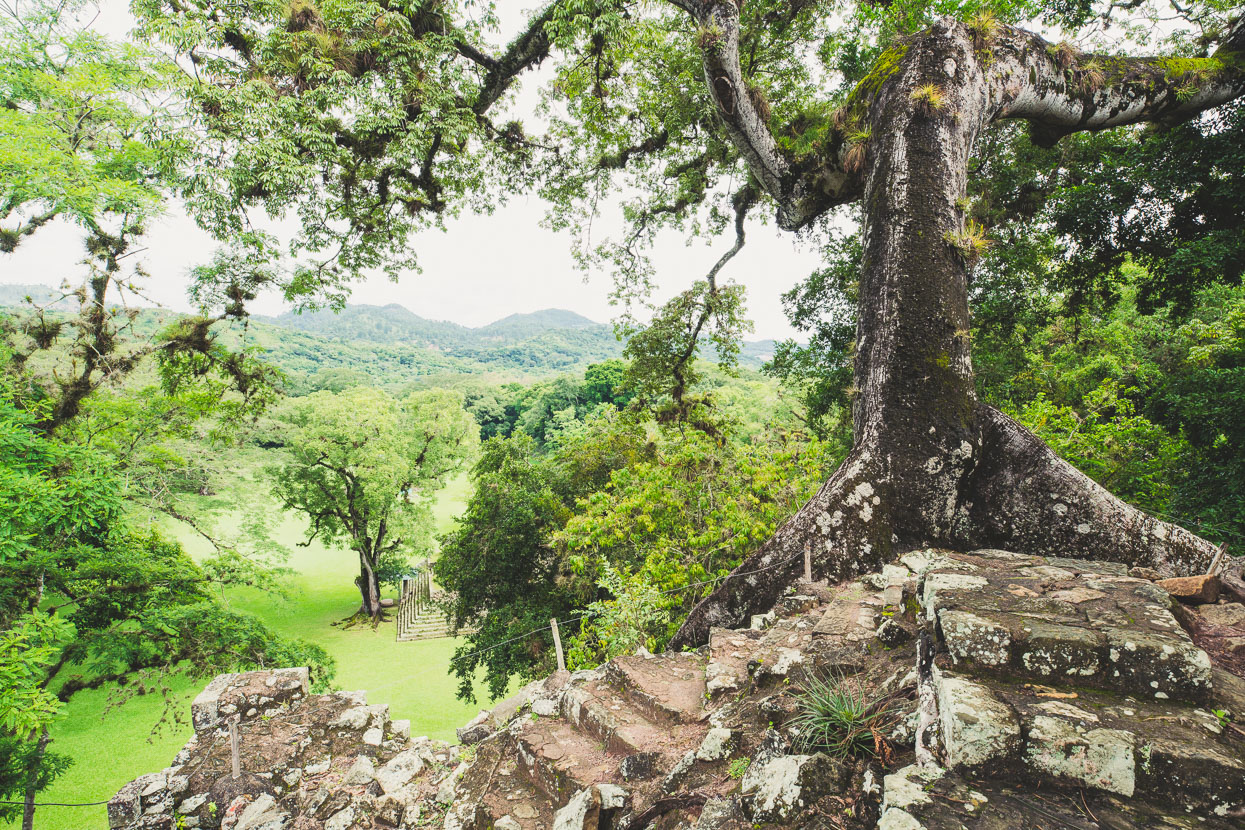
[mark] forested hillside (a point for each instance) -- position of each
(546, 341)
(391, 346)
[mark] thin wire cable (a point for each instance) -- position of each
(587, 614)
(59, 803)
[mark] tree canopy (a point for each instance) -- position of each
(365, 468)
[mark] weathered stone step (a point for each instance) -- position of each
(607, 718)
(560, 760)
(852, 616)
(603, 711)
(427, 635)
(738, 657)
(935, 799)
(1090, 739)
(502, 790)
(730, 653)
(1055, 620)
(667, 688)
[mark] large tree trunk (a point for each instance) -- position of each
(931, 465)
(369, 589)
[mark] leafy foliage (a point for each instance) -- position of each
(672, 524)
(88, 597)
(67, 89)
(615, 518)
(1132, 457)
(498, 566)
(17, 759)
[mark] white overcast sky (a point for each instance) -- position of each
(480, 269)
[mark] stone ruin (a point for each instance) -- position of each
(307, 761)
(1015, 691)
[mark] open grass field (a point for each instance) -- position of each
(412, 678)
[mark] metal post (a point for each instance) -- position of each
(233, 746)
(557, 644)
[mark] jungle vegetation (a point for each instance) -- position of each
(1031, 220)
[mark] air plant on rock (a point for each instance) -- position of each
(841, 718)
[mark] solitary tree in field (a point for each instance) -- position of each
(365, 468)
(711, 109)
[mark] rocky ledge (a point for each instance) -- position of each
(1013, 691)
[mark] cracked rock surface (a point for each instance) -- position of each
(1035, 691)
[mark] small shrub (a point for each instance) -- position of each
(1062, 53)
(840, 718)
(738, 768)
(929, 99)
(972, 243)
(984, 27)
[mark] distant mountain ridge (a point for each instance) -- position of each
(394, 323)
(550, 340)
(393, 345)
(511, 340)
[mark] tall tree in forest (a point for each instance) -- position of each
(708, 110)
(365, 468)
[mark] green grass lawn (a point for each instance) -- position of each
(412, 678)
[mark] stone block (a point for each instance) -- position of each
(1070, 753)
(978, 729)
(398, 771)
(226, 692)
(1193, 590)
(974, 639)
(1228, 614)
(780, 788)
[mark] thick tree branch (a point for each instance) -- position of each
(525, 51)
(1018, 75)
(801, 194)
(1061, 92)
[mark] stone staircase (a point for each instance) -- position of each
(1050, 689)
(426, 620)
(1019, 692)
(427, 626)
(613, 732)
